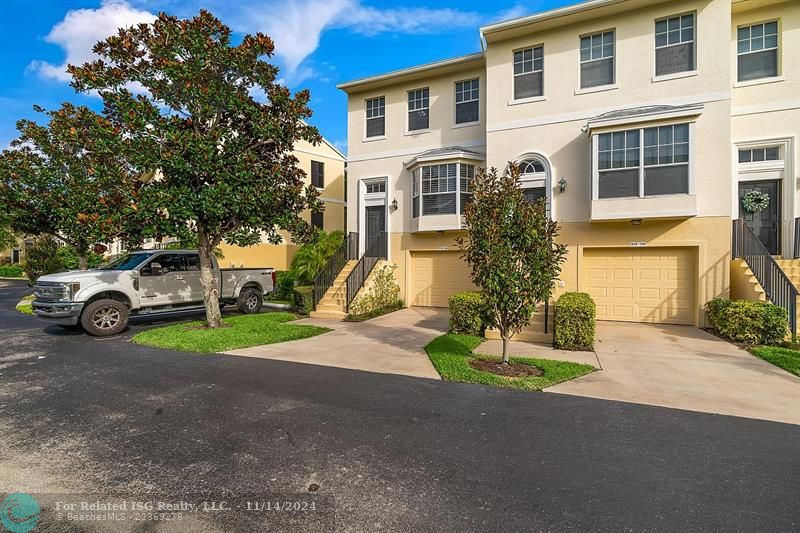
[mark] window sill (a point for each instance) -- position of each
(674, 76)
(759, 81)
(598, 89)
(373, 139)
(416, 132)
(466, 124)
(528, 100)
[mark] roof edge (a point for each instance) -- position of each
(410, 70)
(546, 15)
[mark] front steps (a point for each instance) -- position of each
(332, 304)
(744, 285)
(534, 332)
(791, 267)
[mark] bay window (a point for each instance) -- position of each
(643, 162)
(441, 189)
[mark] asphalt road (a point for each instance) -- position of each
(389, 453)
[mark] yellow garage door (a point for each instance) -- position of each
(435, 276)
(641, 284)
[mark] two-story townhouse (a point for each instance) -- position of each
(627, 116)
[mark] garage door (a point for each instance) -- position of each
(435, 276)
(641, 284)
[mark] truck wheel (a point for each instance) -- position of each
(250, 300)
(104, 317)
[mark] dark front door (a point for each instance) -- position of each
(376, 223)
(766, 223)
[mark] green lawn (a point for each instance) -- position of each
(25, 307)
(451, 354)
(244, 331)
(786, 358)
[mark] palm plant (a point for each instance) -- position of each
(309, 260)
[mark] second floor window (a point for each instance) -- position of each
(675, 44)
(757, 51)
(376, 117)
(529, 72)
(443, 189)
(643, 162)
(318, 174)
(418, 103)
(467, 101)
(597, 59)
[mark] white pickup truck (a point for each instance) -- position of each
(143, 283)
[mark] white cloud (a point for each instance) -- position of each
(515, 11)
(81, 29)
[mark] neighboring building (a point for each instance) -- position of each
(324, 166)
(640, 122)
(16, 254)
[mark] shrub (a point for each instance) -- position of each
(72, 261)
(11, 271)
(304, 299)
(748, 322)
(43, 258)
(382, 294)
(574, 321)
(468, 313)
(284, 286)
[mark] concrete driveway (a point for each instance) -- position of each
(391, 344)
(686, 368)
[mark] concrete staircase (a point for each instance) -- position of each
(332, 304)
(791, 267)
(534, 332)
(744, 285)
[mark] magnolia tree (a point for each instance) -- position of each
(510, 247)
(66, 179)
(210, 130)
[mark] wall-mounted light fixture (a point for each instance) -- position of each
(393, 205)
(562, 184)
(636, 221)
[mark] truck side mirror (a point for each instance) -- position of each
(155, 269)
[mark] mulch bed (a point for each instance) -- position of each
(511, 370)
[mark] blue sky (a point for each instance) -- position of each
(319, 43)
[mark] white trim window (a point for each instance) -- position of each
(441, 189)
(532, 179)
(375, 186)
(643, 162)
(376, 117)
(467, 101)
(757, 51)
(529, 72)
(418, 105)
(757, 155)
(675, 49)
(597, 59)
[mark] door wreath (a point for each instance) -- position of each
(755, 201)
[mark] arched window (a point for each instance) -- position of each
(531, 166)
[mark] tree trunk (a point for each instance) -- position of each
(83, 261)
(505, 348)
(210, 287)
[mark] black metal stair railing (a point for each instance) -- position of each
(345, 252)
(776, 284)
(376, 250)
(797, 238)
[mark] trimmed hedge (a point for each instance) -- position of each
(11, 271)
(748, 322)
(304, 299)
(467, 313)
(574, 321)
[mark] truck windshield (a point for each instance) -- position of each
(127, 262)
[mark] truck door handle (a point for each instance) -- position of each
(179, 277)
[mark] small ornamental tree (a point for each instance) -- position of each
(511, 250)
(217, 159)
(66, 179)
